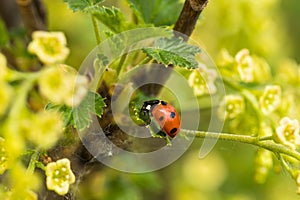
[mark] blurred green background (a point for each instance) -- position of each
(268, 28)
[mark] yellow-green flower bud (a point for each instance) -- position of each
(46, 129)
(23, 183)
(288, 132)
(60, 84)
(271, 99)
(14, 143)
(224, 58)
(59, 176)
(263, 163)
(50, 47)
(3, 66)
(298, 183)
(6, 92)
(262, 72)
(24, 194)
(288, 71)
(202, 80)
(3, 156)
(231, 106)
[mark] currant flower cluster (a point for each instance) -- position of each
(253, 97)
(26, 127)
(244, 67)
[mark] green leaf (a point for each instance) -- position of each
(99, 105)
(92, 103)
(40, 165)
(112, 18)
(173, 51)
(80, 116)
(67, 113)
(83, 5)
(157, 12)
(51, 106)
(3, 34)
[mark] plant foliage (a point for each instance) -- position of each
(83, 5)
(156, 12)
(173, 51)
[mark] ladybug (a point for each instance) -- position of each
(164, 115)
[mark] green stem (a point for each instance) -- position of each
(121, 63)
(288, 167)
(22, 93)
(145, 60)
(96, 29)
(266, 144)
(32, 162)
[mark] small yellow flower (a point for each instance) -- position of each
(202, 80)
(288, 132)
(50, 47)
(45, 128)
(245, 65)
(59, 176)
(62, 85)
(271, 99)
(231, 106)
(3, 156)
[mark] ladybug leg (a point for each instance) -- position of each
(155, 130)
(168, 141)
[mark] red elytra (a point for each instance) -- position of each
(165, 115)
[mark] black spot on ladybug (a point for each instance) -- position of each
(161, 118)
(173, 131)
(172, 114)
(163, 103)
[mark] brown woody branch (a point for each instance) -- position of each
(33, 14)
(9, 14)
(184, 27)
(189, 15)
